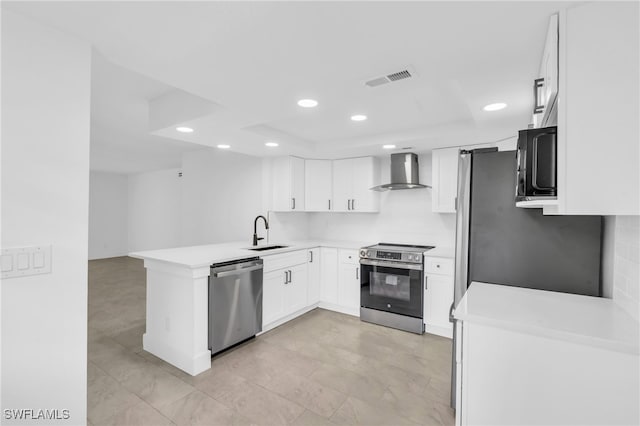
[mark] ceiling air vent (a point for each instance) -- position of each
(379, 81)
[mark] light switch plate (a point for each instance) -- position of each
(26, 261)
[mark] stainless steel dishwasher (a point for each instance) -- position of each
(235, 302)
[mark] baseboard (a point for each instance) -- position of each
(288, 318)
(439, 331)
(193, 365)
(339, 308)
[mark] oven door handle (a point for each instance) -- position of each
(412, 266)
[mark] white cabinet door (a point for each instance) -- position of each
(281, 175)
(313, 276)
(295, 291)
(366, 172)
(342, 185)
(297, 183)
(329, 275)
(598, 98)
(549, 71)
(349, 287)
(349, 281)
(444, 180)
(438, 299)
(288, 184)
(273, 307)
(318, 185)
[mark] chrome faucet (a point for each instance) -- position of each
(255, 226)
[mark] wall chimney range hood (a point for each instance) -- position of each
(404, 173)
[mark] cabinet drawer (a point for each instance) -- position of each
(348, 256)
(284, 260)
(439, 265)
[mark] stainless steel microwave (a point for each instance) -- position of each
(536, 165)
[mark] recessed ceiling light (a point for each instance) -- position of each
(184, 129)
(495, 107)
(358, 117)
(388, 146)
(271, 144)
(224, 146)
(308, 103)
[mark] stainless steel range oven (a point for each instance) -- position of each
(391, 280)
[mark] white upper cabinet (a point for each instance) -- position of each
(598, 110)
(366, 175)
(342, 184)
(545, 113)
(288, 184)
(353, 179)
(318, 185)
(444, 180)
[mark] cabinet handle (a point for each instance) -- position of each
(329, 204)
(311, 256)
(353, 204)
(538, 84)
(425, 282)
(534, 178)
(286, 277)
(357, 273)
(289, 275)
(349, 204)
(293, 204)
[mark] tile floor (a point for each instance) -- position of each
(322, 368)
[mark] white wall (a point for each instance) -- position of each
(108, 215)
(222, 194)
(154, 206)
(626, 264)
(405, 217)
(45, 199)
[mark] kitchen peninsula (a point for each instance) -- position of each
(177, 293)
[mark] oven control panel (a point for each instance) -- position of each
(387, 255)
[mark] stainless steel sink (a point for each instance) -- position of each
(265, 248)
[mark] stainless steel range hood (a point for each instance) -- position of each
(404, 173)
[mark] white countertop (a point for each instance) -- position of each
(205, 255)
(448, 252)
(594, 321)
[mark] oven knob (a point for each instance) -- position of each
(363, 253)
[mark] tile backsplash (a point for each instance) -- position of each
(626, 264)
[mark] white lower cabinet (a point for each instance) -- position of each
(328, 276)
(284, 286)
(298, 281)
(349, 281)
(438, 296)
(295, 291)
(541, 379)
(313, 276)
(273, 296)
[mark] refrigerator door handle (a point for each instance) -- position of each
(451, 318)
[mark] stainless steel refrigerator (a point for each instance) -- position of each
(499, 243)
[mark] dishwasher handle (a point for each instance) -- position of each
(236, 271)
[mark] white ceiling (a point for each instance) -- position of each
(254, 60)
(120, 138)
